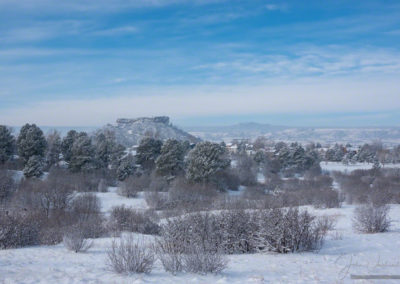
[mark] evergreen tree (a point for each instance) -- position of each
(126, 167)
(34, 167)
(82, 154)
(66, 145)
(6, 144)
(108, 151)
(31, 142)
(147, 152)
(53, 148)
(170, 161)
(205, 161)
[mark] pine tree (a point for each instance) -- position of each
(66, 145)
(126, 167)
(6, 144)
(34, 167)
(31, 142)
(82, 154)
(53, 148)
(147, 152)
(108, 151)
(205, 161)
(170, 161)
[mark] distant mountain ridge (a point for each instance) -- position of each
(251, 130)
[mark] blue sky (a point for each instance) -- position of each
(310, 63)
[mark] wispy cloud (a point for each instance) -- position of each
(312, 60)
(116, 31)
(101, 6)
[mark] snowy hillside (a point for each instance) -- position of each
(129, 132)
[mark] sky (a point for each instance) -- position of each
(201, 62)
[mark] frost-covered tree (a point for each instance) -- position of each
(34, 167)
(367, 153)
(31, 142)
(335, 154)
(53, 150)
(82, 154)
(126, 167)
(205, 161)
(147, 152)
(260, 157)
(170, 161)
(6, 144)
(246, 169)
(66, 145)
(108, 152)
(7, 184)
(295, 159)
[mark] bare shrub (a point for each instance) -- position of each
(170, 255)
(239, 231)
(102, 186)
(132, 185)
(18, 230)
(74, 240)
(326, 223)
(128, 219)
(291, 231)
(156, 200)
(85, 213)
(203, 261)
(190, 196)
(7, 185)
(158, 184)
(325, 198)
(130, 256)
(371, 219)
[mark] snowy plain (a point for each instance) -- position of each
(344, 253)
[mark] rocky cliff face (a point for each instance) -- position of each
(129, 132)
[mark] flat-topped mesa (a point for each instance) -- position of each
(130, 131)
(156, 119)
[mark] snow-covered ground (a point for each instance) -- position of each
(339, 166)
(344, 253)
(111, 199)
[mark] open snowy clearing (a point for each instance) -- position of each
(344, 253)
(111, 199)
(339, 166)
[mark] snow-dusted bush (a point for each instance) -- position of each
(74, 240)
(133, 184)
(170, 255)
(85, 213)
(371, 219)
(203, 261)
(128, 219)
(238, 231)
(7, 185)
(156, 200)
(158, 184)
(290, 230)
(18, 230)
(130, 256)
(102, 187)
(325, 198)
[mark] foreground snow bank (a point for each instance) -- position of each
(344, 253)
